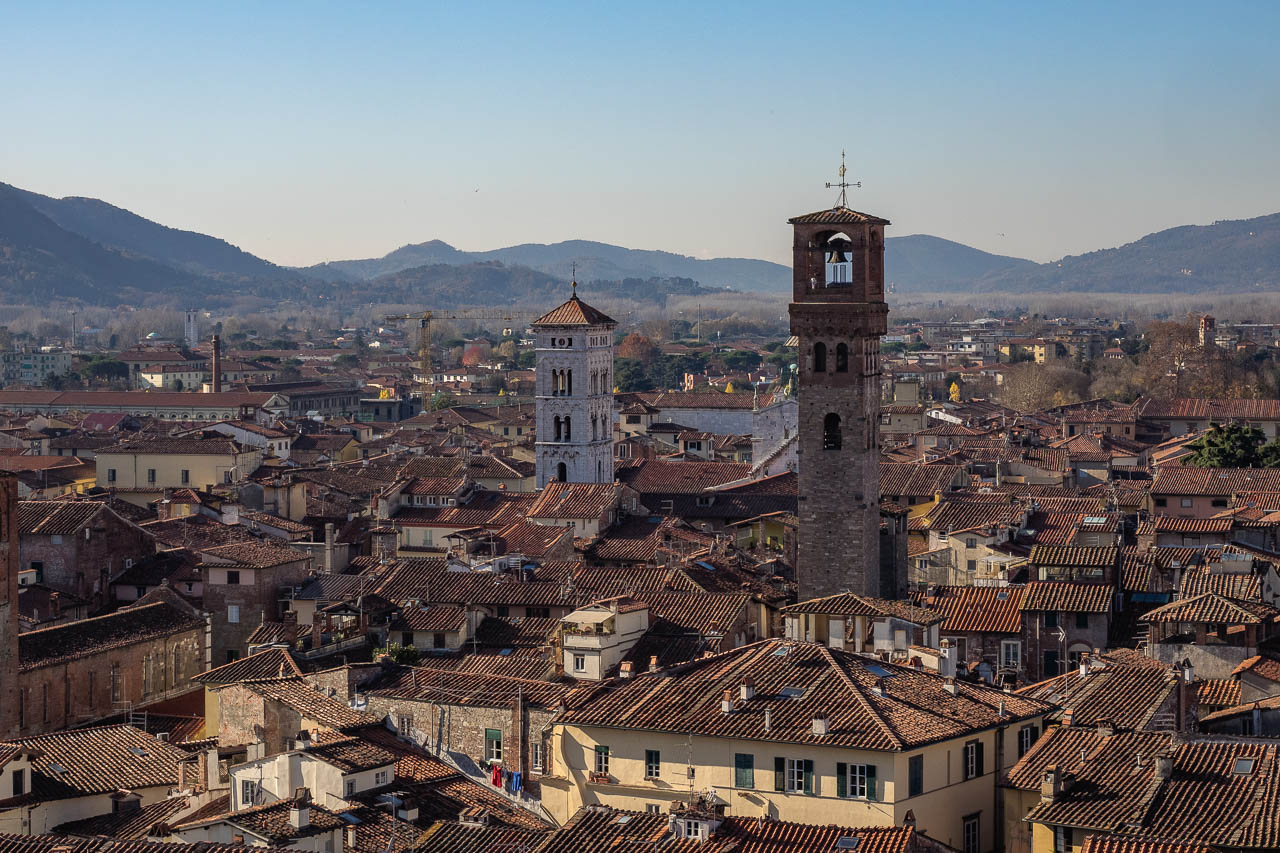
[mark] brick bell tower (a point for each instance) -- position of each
(838, 312)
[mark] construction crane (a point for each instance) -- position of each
(424, 318)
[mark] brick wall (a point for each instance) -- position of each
(85, 566)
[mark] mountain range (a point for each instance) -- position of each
(87, 250)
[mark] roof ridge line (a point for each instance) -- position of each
(862, 700)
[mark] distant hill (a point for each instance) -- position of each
(40, 260)
(923, 263)
(1236, 255)
(596, 261)
(116, 228)
(86, 249)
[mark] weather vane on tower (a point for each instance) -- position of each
(842, 184)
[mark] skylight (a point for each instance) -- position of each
(792, 692)
(1244, 766)
(848, 842)
(877, 669)
(58, 768)
(350, 818)
(623, 819)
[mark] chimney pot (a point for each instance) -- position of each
(726, 702)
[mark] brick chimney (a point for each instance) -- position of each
(217, 364)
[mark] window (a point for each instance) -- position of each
(493, 744)
(1082, 620)
(233, 577)
(744, 770)
(842, 358)
(1011, 654)
(819, 357)
(535, 756)
(381, 777)
(111, 475)
(1162, 501)
(19, 782)
(438, 641)
(579, 663)
(22, 706)
(793, 775)
(915, 775)
(1027, 735)
(92, 679)
(117, 689)
(37, 566)
(652, 808)
(404, 723)
(831, 432)
(1187, 503)
(971, 542)
(971, 839)
(602, 759)
(971, 565)
(233, 614)
(652, 764)
(55, 539)
(503, 610)
(1061, 839)
(1220, 502)
(1051, 619)
(694, 829)
(351, 787)
(185, 476)
(151, 475)
(973, 759)
(538, 612)
(856, 780)
(248, 791)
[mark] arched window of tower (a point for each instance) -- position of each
(557, 426)
(819, 357)
(562, 473)
(568, 435)
(839, 264)
(831, 432)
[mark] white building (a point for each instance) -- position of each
(192, 329)
(574, 346)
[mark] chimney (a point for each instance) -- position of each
(289, 617)
(947, 660)
(217, 364)
(1067, 716)
(653, 663)
(747, 688)
(726, 702)
(768, 720)
(302, 740)
(949, 685)
(624, 671)
(351, 838)
(1164, 766)
(1050, 784)
(237, 839)
(878, 687)
(55, 602)
(300, 809)
(317, 630)
(1188, 671)
(820, 724)
(909, 819)
(328, 547)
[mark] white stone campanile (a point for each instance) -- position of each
(575, 394)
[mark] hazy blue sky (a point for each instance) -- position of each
(308, 132)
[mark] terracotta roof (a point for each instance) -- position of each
(68, 641)
(258, 555)
(1213, 608)
(458, 688)
(605, 830)
(271, 821)
(1186, 480)
(657, 476)
(848, 604)
(455, 837)
(870, 704)
(49, 518)
(311, 704)
(263, 666)
(99, 760)
(1068, 596)
(1218, 693)
(1170, 524)
(1260, 666)
(431, 618)
(1120, 844)
(837, 216)
(183, 446)
(573, 500)
(1075, 556)
(126, 825)
(1126, 690)
(976, 609)
(575, 312)
(907, 478)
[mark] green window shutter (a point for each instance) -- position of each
(779, 774)
(978, 758)
(744, 770)
(871, 782)
(842, 779)
(808, 776)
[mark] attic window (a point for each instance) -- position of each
(1244, 766)
(1002, 595)
(876, 669)
(792, 692)
(138, 751)
(705, 500)
(848, 842)
(623, 819)
(58, 768)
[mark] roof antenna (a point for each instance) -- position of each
(574, 282)
(842, 184)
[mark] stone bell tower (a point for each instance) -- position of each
(838, 313)
(574, 405)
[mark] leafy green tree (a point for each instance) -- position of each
(347, 360)
(1234, 445)
(443, 400)
(526, 359)
(630, 375)
(741, 360)
(403, 655)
